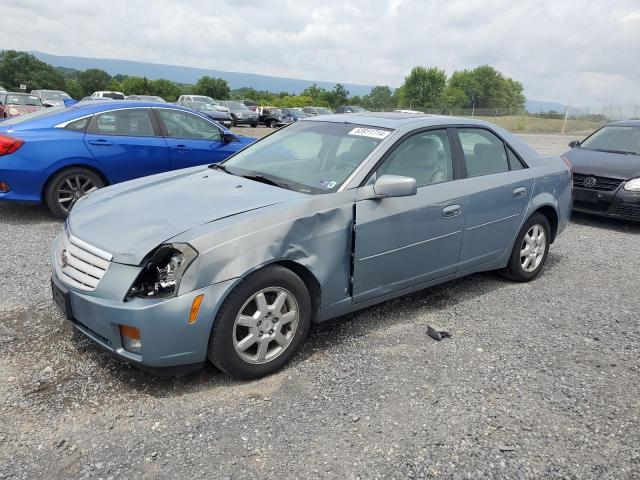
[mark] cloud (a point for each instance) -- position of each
(563, 50)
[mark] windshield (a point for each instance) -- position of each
(113, 95)
(55, 96)
(21, 99)
(202, 106)
(617, 139)
(308, 156)
(323, 111)
(202, 98)
(236, 106)
(294, 111)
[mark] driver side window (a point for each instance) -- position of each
(425, 156)
(181, 124)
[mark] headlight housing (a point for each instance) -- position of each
(162, 271)
(633, 185)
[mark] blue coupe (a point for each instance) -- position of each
(57, 155)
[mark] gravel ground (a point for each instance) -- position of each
(538, 380)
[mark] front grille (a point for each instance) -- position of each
(627, 210)
(79, 264)
(593, 182)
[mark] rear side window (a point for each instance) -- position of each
(134, 122)
(514, 161)
(79, 125)
(484, 152)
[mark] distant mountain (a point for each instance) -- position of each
(180, 74)
(535, 106)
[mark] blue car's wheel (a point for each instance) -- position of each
(261, 325)
(66, 187)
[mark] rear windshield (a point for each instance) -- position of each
(47, 112)
(114, 95)
(55, 96)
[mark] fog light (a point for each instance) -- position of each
(130, 339)
(4, 188)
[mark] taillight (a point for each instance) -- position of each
(9, 145)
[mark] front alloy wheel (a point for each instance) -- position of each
(261, 324)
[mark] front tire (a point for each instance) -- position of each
(530, 250)
(66, 187)
(261, 324)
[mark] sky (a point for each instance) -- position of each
(570, 51)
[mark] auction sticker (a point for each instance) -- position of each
(370, 132)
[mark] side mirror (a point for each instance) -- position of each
(394, 186)
(228, 137)
(574, 143)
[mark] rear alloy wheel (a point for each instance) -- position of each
(67, 187)
(261, 324)
(530, 250)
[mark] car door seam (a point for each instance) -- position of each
(493, 221)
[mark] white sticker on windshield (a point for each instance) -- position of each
(370, 132)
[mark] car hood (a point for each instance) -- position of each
(23, 108)
(604, 164)
(132, 218)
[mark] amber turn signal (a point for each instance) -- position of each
(130, 332)
(195, 308)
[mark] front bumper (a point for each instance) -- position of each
(619, 203)
(246, 120)
(168, 340)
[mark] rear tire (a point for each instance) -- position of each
(66, 187)
(254, 125)
(530, 250)
(261, 324)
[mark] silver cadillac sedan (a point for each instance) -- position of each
(232, 262)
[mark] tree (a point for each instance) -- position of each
(485, 87)
(165, 89)
(423, 87)
(453, 97)
(380, 97)
(212, 87)
(21, 68)
(92, 80)
(315, 92)
(336, 97)
(136, 86)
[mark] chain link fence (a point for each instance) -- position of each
(574, 121)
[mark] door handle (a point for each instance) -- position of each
(101, 141)
(452, 211)
(519, 192)
(181, 147)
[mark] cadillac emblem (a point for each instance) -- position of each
(64, 258)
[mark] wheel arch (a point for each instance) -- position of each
(52, 174)
(551, 215)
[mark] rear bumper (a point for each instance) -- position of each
(168, 340)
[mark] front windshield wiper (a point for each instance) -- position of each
(268, 181)
(624, 152)
(219, 166)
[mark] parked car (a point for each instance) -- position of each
(294, 114)
(2, 89)
(210, 111)
(272, 117)
(313, 111)
(401, 110)
(327, 216)
(107, 94)
(146, 98)
(202, 98)
(250, 104)
(606, 171)
(57, 155)
(13, 104)
(350, 109)
(51, 98)
(240, 114)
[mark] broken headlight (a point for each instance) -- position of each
(162, 271)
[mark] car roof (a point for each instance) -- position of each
(626, 123)
(395, 120)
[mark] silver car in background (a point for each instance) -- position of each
(326, 216)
